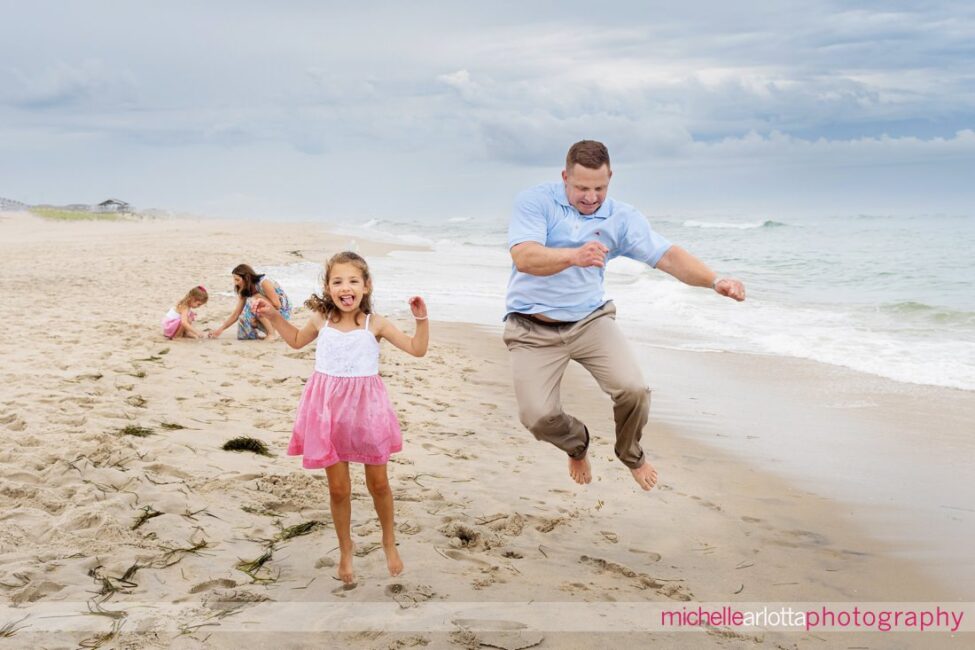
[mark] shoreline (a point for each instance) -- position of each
(73, 488)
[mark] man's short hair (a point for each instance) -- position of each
(588, 153)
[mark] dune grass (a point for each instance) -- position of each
(59, 214)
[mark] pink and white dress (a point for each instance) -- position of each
(171, 321)
(344, 413)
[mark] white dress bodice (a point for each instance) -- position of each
(347, 354)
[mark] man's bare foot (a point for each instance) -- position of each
(580, 470)
(645, 476)
(393, 560)
(346, 574)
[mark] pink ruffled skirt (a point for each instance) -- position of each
(344, 419)
(171, 323)
(169, 326)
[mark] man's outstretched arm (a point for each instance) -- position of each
(690, 270)
(533, 258)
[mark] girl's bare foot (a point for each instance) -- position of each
(393, 560)
(580, 470)
(346, 574)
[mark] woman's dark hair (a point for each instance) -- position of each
(324, 304)
(251, 280)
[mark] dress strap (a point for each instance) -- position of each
(368, 316)
(328, 317)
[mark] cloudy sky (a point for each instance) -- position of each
(440, 109)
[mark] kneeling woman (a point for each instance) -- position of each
(248, 283)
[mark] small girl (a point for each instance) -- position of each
(178, 321)
(345, 414)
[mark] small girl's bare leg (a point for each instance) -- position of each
(382, 497)
(340, 502)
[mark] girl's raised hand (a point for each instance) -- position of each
(418, 307)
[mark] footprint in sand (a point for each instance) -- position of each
(506, 635)
(804, 538)
(707, 504)
(652, 556)
(461, 536)
(509, 525)
(71, 422)
(407, 596)
(13, 422)
(209, 585)
(368, 528)
(32, 593)
(548, 525)
(670, 589)
(454, 554)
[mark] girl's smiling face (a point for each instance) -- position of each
(346, 286)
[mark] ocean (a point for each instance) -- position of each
(886, 295)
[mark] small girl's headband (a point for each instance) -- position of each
(201, 288)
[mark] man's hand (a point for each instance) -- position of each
(589, 254)
(731, 288)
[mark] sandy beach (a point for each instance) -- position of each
(128, 541)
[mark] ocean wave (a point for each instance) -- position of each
(940, 315)
(768, 223)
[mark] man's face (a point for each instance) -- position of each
(586, 188)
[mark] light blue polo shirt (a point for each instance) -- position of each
(543, 214)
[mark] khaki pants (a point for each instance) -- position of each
(539, 356)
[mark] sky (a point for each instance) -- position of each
(431, 110)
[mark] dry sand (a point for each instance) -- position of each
(135, 541)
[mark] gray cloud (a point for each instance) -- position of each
(459, 97)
